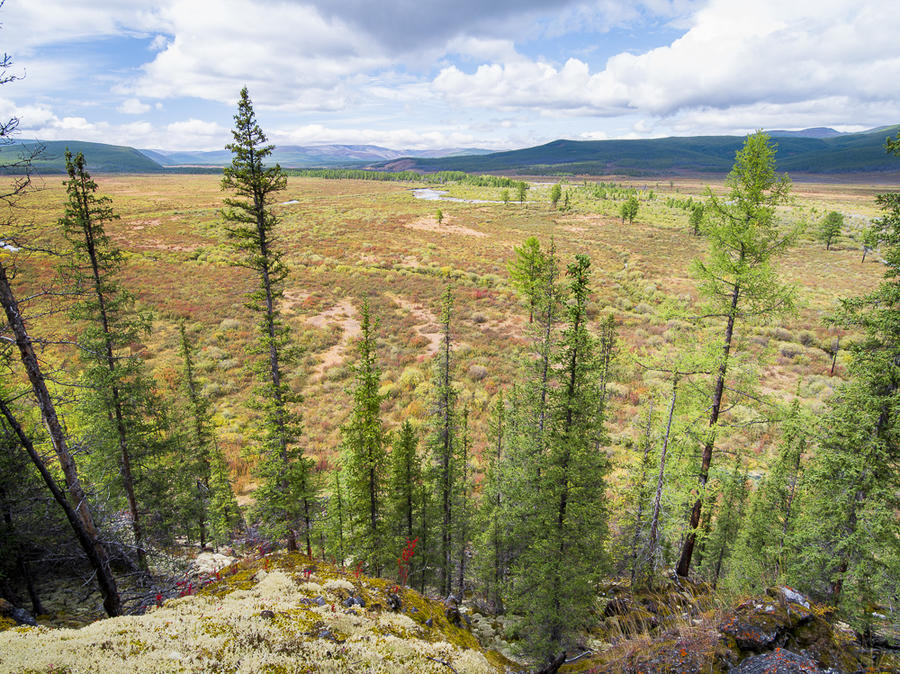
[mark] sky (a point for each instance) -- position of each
(422, 74)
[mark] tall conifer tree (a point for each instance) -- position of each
(284, 497)
(365, 455)
(442, 444)
(121, 407)
(737, 277)
(558, 571)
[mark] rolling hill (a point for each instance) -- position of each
(308, 156)
(815, 153)
(101, 158)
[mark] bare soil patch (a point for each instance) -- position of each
(446, 227)
(344, 314)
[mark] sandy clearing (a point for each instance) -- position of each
(343, 314)
(431, 225)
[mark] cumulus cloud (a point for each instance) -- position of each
(735, 54)
(289, 55)
(133, 106)
(406, 138)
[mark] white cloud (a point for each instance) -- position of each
(405, 138)
(735, 54)
(133, 106)
(288, 55)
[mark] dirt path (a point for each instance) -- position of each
(344, 314)
(427, 328)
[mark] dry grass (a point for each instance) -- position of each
(352, 240)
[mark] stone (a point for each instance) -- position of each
(20, 615)
(755, 626)
(267, 614)
(429, 622)
(778, 661)
(454, 617)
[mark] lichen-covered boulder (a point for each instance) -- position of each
(786, 621)
(779, 661)
(19, 615)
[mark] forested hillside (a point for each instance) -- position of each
(594, 414)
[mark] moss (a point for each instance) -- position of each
(6, 623)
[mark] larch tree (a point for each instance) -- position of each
(555, 194)
(737, 278)
(831, 227)
(526, 271)
(285, 492)
(365, 454)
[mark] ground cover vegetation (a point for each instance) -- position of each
(519, 404)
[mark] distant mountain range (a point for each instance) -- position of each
(818, 150)
(308, 156)
(808, 151)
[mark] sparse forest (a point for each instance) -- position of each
(585, 411)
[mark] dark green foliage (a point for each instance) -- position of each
(405, 493)
(760, 554)
(209, 494)
(364, 456)
(123, 420)
(846, 538)
(442, 443)
(285, 494)
(492, 544)
(563, 558)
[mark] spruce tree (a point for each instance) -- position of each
(759, 556)
(214, 504)
(557, 573)
(285, 494)
(492, 542)
(442, 445)
(847, 533)
(365, 455)
(74, 502)
(405, 492)
(737, 277)
(120, 405)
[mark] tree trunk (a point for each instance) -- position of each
(116, 414)
(687, 551)
(654, 524)
(77, 512)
